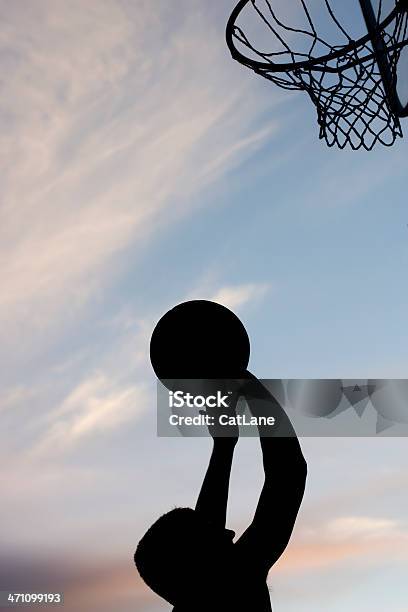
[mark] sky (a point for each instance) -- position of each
(142, 166)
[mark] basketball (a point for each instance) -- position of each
(199, 339)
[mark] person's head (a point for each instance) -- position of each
(177, 550)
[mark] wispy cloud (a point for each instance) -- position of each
(96, 405)
(14, 396)
(106, 137)
(103, 133)
(345, 540)
(234, 296)
(361, 527)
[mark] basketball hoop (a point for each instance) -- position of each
(352, 83)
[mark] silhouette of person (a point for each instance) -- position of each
(188, 557)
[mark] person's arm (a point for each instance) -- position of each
(213, 498)
(285, 477)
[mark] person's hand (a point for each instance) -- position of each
(223, 426)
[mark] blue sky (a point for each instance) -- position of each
(142, 167)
